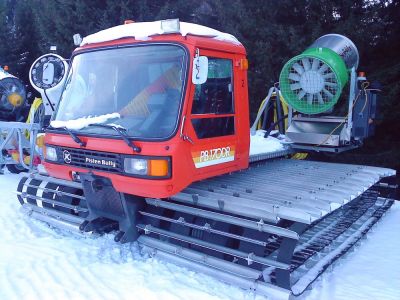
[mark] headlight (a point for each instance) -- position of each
(51, 153)
(135, 166)
(159, 167)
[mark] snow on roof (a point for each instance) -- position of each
(144, 31)
(80, 123)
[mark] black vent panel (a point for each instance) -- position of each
(101, 161)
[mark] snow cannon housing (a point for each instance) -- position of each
(12, 96)
(16, 148)
(312, 84)
(160, 125)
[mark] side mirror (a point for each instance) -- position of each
(200, 69)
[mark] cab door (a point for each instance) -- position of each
(212, 118)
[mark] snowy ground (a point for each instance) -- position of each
(37, 262)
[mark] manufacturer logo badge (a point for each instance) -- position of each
(67, 157)
(210, 157)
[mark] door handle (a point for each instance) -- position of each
(184, 136)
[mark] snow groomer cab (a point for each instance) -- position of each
(149, 108)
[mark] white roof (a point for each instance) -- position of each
(144, 31)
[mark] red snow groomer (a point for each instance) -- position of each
(151, 140)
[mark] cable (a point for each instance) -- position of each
(48, 99)
(275, 96)
(277, 122)
(364, 86)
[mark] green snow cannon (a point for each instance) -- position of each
(312, 82)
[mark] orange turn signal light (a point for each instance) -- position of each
(158, 167)
(244, 64)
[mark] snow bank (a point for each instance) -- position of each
(372, 271)
(144, 30)
(84, 122)
(261, 145)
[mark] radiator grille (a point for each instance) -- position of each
(89, 159)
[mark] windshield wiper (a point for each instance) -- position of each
(74, 136)
(122, 133)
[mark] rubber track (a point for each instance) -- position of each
(344, 218)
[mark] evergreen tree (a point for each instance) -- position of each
(271, 31)
(4, 33)
(25, 39)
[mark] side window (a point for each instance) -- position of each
(215, 95)
(213, 127)
(214, 98)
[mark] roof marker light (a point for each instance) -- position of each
(170, 26)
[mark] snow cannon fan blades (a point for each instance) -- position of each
(12, 94)
(312, 82)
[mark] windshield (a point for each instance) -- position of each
(138, 89)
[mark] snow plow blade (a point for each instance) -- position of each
(273, 228)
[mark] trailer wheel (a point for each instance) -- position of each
(16, 169)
